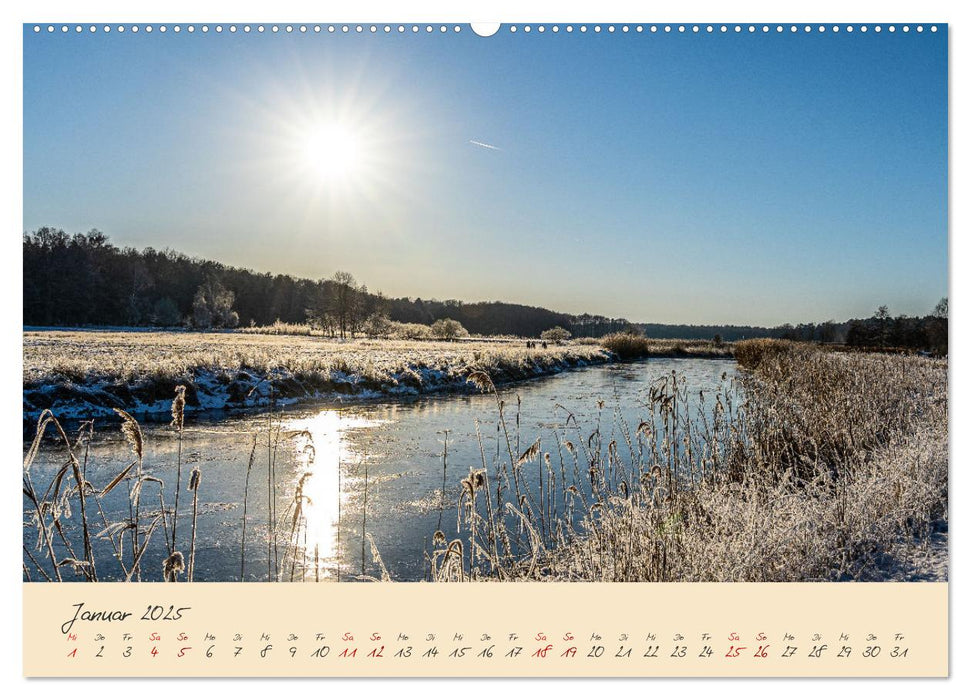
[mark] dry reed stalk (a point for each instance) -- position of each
(242, 543)
(178, 420)
(133, 434)
(364, 519)
(194, 480)
(441, 508)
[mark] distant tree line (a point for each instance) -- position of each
(879, 331)
(83, 279)
(913, 332)
(706, 332)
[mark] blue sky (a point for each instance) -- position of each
(696, 178)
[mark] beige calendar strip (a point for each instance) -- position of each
(485, 629)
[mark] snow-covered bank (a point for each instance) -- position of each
(224, 388)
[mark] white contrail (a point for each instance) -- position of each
(484, 145)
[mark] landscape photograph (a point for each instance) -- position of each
(565, 303)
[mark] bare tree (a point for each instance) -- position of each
(344, 298)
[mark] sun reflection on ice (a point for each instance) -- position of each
(323, 451)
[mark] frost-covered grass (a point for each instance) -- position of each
(821, 467)
(824, 467)
(138, 371)
(80, 355)
(633, 347)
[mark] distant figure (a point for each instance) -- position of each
(544, 344)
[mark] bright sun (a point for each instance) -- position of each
(333, 152)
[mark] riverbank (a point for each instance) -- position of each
(804, 465)
(85, 374)
(835, 468)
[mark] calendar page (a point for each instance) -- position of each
(538, 349)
